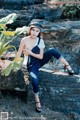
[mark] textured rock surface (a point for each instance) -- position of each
(58, 35)
(61, 90)
(60, 99)
(30, 12)
(10, 4)
(59, 93)
(13, 81)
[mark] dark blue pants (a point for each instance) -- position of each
(35, 68)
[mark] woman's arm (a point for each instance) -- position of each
(39, 56)
(20, 49)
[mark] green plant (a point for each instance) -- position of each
(70, 10)
(15, 65)
(6, 37)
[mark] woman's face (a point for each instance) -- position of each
(34, 32)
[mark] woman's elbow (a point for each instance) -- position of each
(41, 57)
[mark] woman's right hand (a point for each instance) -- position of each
(18, 59)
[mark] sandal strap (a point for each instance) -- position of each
(67, 65)
(38, 107)
(37, 102)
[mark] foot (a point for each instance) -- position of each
(38, 107)
(69, 69)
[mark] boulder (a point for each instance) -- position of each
(30, 12)
(61, 91)
(74, 115)
(18, 80)
(18, 3)
(61, 34)
(13, 81)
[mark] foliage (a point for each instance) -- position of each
(70, 11)
(8, 19)
(6, 37)
(14, 66)
(70, 8)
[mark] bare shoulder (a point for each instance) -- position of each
(25, 39)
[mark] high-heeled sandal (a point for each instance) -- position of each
(70, 72)
(38, 109)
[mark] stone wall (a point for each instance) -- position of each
(18, 3)
(58, 92)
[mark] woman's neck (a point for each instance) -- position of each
(33, 38)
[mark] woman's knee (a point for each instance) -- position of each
(55, 53)
(33, 75)
(34, 78)
(34, 81)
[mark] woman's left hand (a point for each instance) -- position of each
(27, 51)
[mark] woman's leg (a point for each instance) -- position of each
(65, 63)
(54, 53)
(34, 81)
(51, 52)
(37, 100)
(35, 84)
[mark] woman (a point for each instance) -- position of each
(33, 47)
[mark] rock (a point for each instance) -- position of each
(57, 116)
(62, 34)
(30, 12)
(58, 92)
(18, 3)
(74, 116)
(53, 14)
(13, 81)
(61, 91)
(18, 80)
